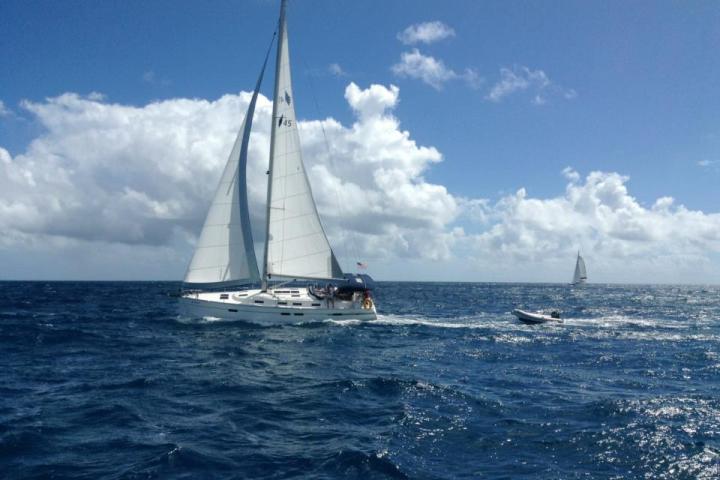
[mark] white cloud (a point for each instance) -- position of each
(539, 100)
(427, 32)
(571, 174)
(115, 174)
(569, 94)
(4, 111)
(373, 101)
(371, 180)
(152, 78)
(708, 163)
(336, 70)
(121, 191)
(430, 70)
(471, 78)
(423, 67)
(520, 78)
(620, 238)
(97, 96)
(517, 79)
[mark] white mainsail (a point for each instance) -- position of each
(296, 243)
(580, 275)
(225, 251)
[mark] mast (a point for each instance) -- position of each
(278, 59)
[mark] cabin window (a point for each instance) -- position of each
(259, 301)
(299, 314)
(315, 304)
(337, 314)
(282, 303)
(232, 310)
(223, 296)
(297, 304)
(284, 313)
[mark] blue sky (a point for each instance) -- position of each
(624, 88)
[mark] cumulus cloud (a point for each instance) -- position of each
(118, 174)
(432, 71)
(426, 32)
(619, 235)
(127, 187)
(520, 78)
(370, 180)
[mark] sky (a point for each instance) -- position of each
(448, 141)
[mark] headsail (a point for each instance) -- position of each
(580, 275)
(225, 252)
(297, 246)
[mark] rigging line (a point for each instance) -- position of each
(352, 233)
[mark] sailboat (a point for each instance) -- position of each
(580, 275)
(297, 250)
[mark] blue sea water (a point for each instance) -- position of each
(107, 381)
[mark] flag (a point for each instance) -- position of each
(362, 265)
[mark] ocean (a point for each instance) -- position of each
(104, 380)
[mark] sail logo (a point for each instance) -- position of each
(284, 122)
(288, 100)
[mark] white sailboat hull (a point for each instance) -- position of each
(286, 306)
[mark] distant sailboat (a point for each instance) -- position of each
(580, 275)
(296, 247)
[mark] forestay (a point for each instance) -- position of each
(297, 246)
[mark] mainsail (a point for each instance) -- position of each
(580, 275)
(296, 243)
(225, 252)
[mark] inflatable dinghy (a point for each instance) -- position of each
(533, 317)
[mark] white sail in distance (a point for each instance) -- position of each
(225, 251)
(297, 246)
(580, 275)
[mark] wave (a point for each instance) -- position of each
(667, 434)
(22, 442)
(179, 460)
(445, 383)
(359, 464)
(470, 322)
